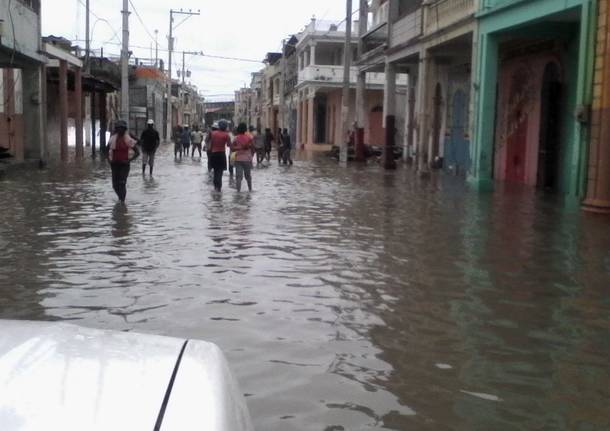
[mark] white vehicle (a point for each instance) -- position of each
(56, 376)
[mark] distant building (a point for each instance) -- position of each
(215, 111)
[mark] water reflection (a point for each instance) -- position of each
(345, 298)
(121, 221)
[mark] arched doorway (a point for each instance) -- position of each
(517, 125)
(550, 121)
(457, 147)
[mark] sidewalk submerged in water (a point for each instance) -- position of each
(8, 166)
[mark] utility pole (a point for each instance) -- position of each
(184, 54)
(156, 48)
(347, 63)
(183, 61)
(87, 36)
(125, 64)
(170, 48)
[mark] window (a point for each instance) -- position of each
(32, 4)
(406, 7)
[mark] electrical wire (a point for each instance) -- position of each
(135, 10)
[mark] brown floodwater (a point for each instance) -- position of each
(344, 298)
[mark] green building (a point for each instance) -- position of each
(533, 90)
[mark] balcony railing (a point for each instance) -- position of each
(333, 75)
(490, 4)
(329, 28)
(443, 13)
(375, 38)
(407, 28)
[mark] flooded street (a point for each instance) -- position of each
(344, 299)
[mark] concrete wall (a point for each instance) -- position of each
(23, 22)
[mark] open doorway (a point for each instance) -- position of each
(550, 121)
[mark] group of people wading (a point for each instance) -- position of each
(242, 147)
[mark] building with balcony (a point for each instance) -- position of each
(320, 54)
(255, 102)
(533, 93)
(271, 97)
(290, 79)
(21, 81)
(446, 42)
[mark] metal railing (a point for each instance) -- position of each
(443, 13)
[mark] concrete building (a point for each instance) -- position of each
(22, 81)
(598, 169)
(533, 85)
(271, 97)
(215, 111)
(243, 112)
(255, 103)
(147, 88)
(320, 82)
(289, 108)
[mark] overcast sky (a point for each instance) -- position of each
(231, 28)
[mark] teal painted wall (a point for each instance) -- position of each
(501, 20)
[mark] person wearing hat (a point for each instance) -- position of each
(150, 141)
(122, 150)
(219, 141)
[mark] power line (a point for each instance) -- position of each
(142, 22)
(115, 36)
(202, 54)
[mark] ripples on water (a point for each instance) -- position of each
(345, 299)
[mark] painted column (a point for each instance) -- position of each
(33, 113)
(103, 121)
(598, 178)
(93, 126)
(360, 150)
(310, 117)
(423, 114)
(412, 88)
(389, 115)
(78, 112)
(485, 112)
(299, 125)
(63, 109)
(312, 53)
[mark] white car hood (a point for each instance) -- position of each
(60, 376)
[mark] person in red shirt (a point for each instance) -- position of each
(122, 150)
(243, 146)
(219, 140)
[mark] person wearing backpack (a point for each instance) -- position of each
(122, 151)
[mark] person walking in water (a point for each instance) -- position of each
(280, 146)
(185, 140)
(259, 145)
(122, 150)
(243, 146)
(150, 142)
(287, 145)
(177, 139)
(268, 143)
(208, 148)
(196, 140)
(219, 141)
